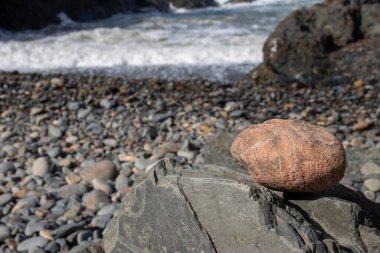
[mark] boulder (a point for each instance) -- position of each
(298, 49)
(181, 208)
(291, 155)
(370, 24)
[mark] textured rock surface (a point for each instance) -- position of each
(291, 155)
(215, 209)
(217, 150)
(299, 48)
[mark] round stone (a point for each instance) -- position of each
(103, 170)
(370, 167)
(40, 166)
(372, 184)
(291, 155)
(370, 195)
(32, 243)
(100, 184)
(121, 182)
(6, 166)
(94, 198)
(5, 232)
(69, 190)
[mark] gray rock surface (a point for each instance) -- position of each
(217, 149)
(179, 208)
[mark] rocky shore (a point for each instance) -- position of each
(72, 146)
(58, 133)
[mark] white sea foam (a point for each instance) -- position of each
(205, 43)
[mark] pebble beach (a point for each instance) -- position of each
(71, 146)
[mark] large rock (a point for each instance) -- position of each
(298, 49)
(35, 14)
(179, 208)
(291, 155)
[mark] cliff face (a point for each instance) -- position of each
(19, 15)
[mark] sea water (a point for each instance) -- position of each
(220, 43)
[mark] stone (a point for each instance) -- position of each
(6, 166)
(372, 184)
(41, 166)
(142, 163)
(84, 236)
(32, 242)
(110, 142)
(370, 195)
(73, 106)
(45, 233)
(217, 209)
(189, 155)
(107, 210)
(83, 113)
(291, 155)
(67, 191)
(52, 247)
(73, 178)
(369, 168)
(72, 139)
(304, 45)
(121, 182)
(5, 232)
(5, 198)
(54, 152)
(33, 227)
(106, 104)
(65, 163)
(377, 200)
(101, 185)
(94, 247)
(6, 136)
(236, 114)
(362, 125)
(104, 170)
(65, 230)
(94, 198)
(217, 149)
(35, 110)
(54, 131)
(232, 106)
(370, 19)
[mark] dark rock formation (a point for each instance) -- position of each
(18, 15)
(299, 49)
(179, 208)
(240, 1)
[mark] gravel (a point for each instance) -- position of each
(72, 146)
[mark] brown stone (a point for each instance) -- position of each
(104, 170)
(362, 125)
(291, 155)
